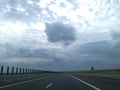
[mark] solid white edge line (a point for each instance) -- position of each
(24, 82)
(49, 85)
(86, 83)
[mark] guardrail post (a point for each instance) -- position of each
(2, 67)
(26, 71)
(12, 70)
(33, 71)
(7, 70)
(20, 71)
(17, 71)
(23, 71)
(30, 71)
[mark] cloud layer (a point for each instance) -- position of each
(60, 34)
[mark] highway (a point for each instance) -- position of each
(64, 81)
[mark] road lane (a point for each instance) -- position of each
(11, 79)
(64, 81)
(19, 83)
(38, 84)
(86, 83)
(101, 82)
(59, 82)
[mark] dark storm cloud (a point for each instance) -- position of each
(59, 32)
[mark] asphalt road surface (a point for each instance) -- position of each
(65, 81)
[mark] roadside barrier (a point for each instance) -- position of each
(7, 70)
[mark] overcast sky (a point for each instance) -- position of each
(60, 34)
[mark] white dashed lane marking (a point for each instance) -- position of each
(49, 85)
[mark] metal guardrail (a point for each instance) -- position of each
(7, 70)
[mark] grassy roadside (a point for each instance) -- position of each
(101, 72)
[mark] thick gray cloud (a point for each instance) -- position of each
(101, 54)
(36, 58)
(59, 32)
